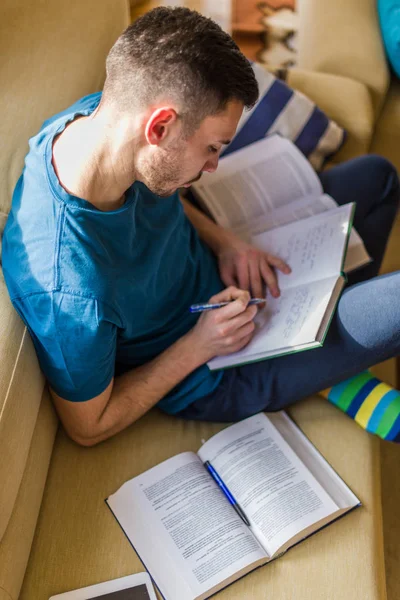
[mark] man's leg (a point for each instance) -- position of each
(372, 182)
(365, 329)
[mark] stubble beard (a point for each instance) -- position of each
(161, 174)
(164, 174)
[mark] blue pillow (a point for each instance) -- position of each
(389, 17)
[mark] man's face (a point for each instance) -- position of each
(181, 163)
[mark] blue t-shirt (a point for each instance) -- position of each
(102, 292)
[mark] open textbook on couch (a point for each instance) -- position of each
(269, 194)
(180, 515)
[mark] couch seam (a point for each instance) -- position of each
(5, 591)
(13, 373)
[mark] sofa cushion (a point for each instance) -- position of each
(55, 54)
(389, 18)
(342, 37)
(78, 542)
(346, 101)
(386, 140)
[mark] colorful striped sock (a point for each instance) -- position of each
(372, 404)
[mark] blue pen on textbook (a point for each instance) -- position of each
(202, 307)
(227, 493)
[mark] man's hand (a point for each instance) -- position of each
(224, 330)
(240, 264)
(249, 268)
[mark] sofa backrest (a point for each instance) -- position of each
(342, 37)
(52, 53)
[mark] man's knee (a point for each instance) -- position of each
(368, 314)
(387, 175)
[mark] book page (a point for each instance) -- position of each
(183, 528)
(314, 461)
(283, 215)
(255, 180)
(278, 494)
(357, 255)
(285, 324)
(308, 206)
(313, 247)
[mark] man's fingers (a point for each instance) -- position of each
(256, 282)
(269, 278)
(230, 293)
(235, 328)
(245, 317)
(244, 340)
(278, 263)
(238, 300)
(227, 277)
(242, 270)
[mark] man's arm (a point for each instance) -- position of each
(239, 263)
(131, 395)
(128, 396)
(212, 234)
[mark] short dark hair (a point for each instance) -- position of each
(181, 54)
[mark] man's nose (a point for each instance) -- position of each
(211, 165)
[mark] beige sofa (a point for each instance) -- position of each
(56, 533)
(343, 39)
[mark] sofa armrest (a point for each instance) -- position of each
(344, 100)
(343, 38)
(386, 141)
(21, 388)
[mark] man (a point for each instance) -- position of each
(102, 259)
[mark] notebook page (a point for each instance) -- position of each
(285, 324)
(313, 247)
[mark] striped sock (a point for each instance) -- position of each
(372, 404)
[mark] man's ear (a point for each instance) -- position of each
(160, 125)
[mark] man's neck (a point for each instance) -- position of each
(88, 167)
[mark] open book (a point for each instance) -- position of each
(187, 533)
(268, 193)
(265, 185)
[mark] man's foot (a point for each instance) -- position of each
(371, 403)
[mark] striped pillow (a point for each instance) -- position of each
(291, 114)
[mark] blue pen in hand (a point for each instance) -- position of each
(227, 493)
(202, 307)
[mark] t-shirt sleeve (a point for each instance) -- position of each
(75, 342)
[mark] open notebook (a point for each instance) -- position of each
(268, 193)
